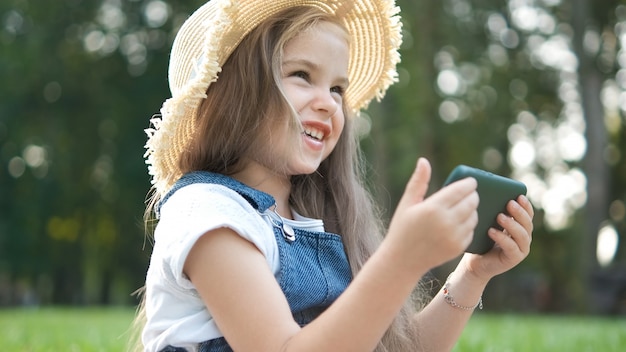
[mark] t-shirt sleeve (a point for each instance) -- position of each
(194, 210)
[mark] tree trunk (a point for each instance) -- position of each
(596, 169)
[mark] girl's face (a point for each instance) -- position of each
(314, 78)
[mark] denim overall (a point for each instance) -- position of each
(314, 269)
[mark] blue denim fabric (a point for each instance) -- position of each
(314, 269)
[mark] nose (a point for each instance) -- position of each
(325, 102)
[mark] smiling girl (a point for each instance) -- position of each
(267, 239)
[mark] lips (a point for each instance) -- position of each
(315, 130)
(314, 133)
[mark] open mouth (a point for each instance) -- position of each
(314, 133)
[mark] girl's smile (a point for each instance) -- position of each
(314, 78)
(314, 134)
(315, 71)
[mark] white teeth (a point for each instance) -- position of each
(315, 133)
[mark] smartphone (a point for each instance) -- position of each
(495, 192)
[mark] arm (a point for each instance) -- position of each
(441, 324)
(245, 300)
(251, 310)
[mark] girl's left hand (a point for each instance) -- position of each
(512, 244)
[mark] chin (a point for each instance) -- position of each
(306, 170)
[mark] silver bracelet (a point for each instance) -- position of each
(450, 300)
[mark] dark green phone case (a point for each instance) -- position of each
(495, 192)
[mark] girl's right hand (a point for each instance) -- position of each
(427, 232)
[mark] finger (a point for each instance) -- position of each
(460, 202)
(455, 192)
(522, 212)
(505, 241)
(515, 231)
(417, 186)
(469, 222)
(527, 205)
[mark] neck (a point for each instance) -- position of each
(265, 180)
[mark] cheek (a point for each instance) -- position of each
(339, 123)
(294, 96)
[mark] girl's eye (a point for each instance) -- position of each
(301, 74)
(337, 89)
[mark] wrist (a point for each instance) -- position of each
(463, 290)
(403, 264)
(471, 272)
(449, 298)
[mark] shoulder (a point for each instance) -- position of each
(199, 197)
(200, 207)
(196, 209)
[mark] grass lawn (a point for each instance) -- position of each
(65, 329)
(106, 329)
(526, 333)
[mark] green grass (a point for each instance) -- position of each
(106, 329)
(65, 329)
(526, 333)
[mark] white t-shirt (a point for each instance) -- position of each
(175, 313)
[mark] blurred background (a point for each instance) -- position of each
(530, 89)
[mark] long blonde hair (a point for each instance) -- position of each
(248, 96)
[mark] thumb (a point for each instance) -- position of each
(417, 186)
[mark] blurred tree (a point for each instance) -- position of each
(533, 89)
(591, 81)
(519, 88)
(81, 81)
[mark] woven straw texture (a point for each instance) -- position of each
(210, 35)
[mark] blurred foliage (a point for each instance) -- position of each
(82, 78)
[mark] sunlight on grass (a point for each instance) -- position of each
(523, 333)
(107, 329)
(58, 329)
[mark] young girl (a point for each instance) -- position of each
(267, 239)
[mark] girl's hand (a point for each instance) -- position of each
(425, 233)
(512, 244)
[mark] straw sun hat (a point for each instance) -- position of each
(210, 35)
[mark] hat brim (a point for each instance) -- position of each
(213, 31)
